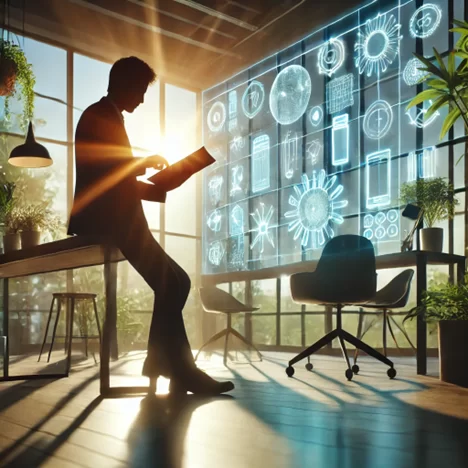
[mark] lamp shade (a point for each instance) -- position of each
(30, 154)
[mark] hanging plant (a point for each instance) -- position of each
(15, 70)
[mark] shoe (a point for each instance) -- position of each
(196, 381)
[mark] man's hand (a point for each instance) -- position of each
(156, 161)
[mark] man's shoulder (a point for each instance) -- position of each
(101, 107)
(94, 117)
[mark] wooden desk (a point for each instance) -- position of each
(415, 259)
(67, 254)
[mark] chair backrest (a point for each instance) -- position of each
(346, 270)
(217, 300)
(396, 293)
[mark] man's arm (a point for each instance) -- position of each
(150, 192)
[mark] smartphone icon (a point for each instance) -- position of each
(378, 179)
(340, 140)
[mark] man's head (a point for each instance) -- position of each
(129, 79)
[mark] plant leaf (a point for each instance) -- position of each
(425, 95)
(449, 121)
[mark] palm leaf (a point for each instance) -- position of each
(425, 96)
(436, 105)
(449, 121)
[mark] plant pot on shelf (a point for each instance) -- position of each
(8, 70)
(11, 242)
(30, 239)
(453, 351)
(432, 239)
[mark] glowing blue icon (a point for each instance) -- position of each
(425, 21)
(340, 140)
(412, 166)
(378, 120)
(290, 94)
(392, 216)
(237, 143)
(260, 163)
(214, 221)
(216, 253)
(412, 74)
(237, 176)
(263, 228)
(340, 93)
(215, 186)
(216, 116)
(380, 233)
(236, 251)
(380, 218)
(232, 110)
(392, 230)
(378, 179)
(368, 234)
(290, 154)
(428, 163)
(417, 116)
(316, 116)
(253, 98)
(331, 57)
(236, 227)
(315, 207)
(377, 45)
(314, 149)
(368, 221)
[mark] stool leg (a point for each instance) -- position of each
(72, 313)
(97, 319)
(47, 328)
(384, 332)
(85, 326)
(59, 307)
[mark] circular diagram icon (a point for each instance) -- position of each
(316, 116)
(216, 116)
(378, 120)
(425, 21)
(290, 94)
(392, 216)
(331, 56)
(253, 98)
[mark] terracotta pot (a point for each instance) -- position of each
(453, 351)
(11, 242)
(432, 239)
(30, 239)
(8, 71)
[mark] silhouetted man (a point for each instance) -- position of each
(108, 203)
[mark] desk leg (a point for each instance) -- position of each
(461, 272)
(421, 330)
(6, 319)
(109, 331)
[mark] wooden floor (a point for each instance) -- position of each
(316, 419)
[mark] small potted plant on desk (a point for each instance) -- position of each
(32, 220)
(8, 217)
(437, 200)
(447, 304)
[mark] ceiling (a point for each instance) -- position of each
(192, 43)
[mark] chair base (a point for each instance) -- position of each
(342, 336)
(226, 332)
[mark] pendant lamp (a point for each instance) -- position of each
(31, 153)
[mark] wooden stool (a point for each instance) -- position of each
(71, 297)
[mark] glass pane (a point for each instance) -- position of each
(314, 328)
(287, 304)
(180, 140)
(291, 331)
(264, 295)
(263, 330)
(29, 307)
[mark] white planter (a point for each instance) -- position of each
(30, 239)
(11, 242)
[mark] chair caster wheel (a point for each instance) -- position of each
(290, 371)
(349, 374)
(391, 372)
(355, 369)
(309, 366)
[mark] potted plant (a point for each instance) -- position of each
(447, 304)
(32, 220)
(437, 200)
(11, 237)
(15, 70)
